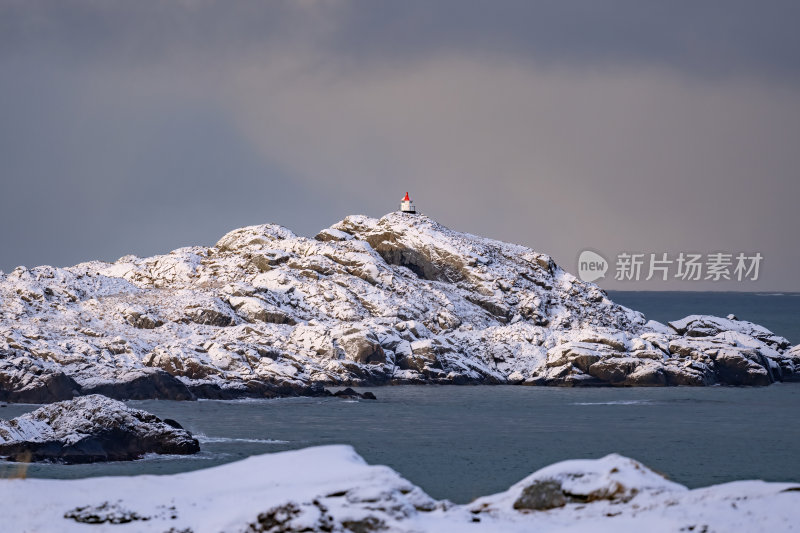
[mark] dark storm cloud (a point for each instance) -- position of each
(697, 37)
(703, 38)
(137, 127)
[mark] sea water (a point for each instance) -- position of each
(460, 442)
(777, 311)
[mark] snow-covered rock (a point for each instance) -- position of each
(613, 478)
(401, 299)
(24, 380)
(709, 326)
(331, 488)
(90, 429)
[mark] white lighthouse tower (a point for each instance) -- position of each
(406, 205)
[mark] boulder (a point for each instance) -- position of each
(612, 479)
(735, 359)
(91, 429)
(257, 310)
(209, 316)
(404, 242)
(362, 346)
(252, 236)
(614, 370)
(580, 354)
(23, 381)
(790, 364)
(141, 319)
(709, 326)
(647, 374)
(330, 234)
(688, 373)
(417, 355)
(541, 495)
(350, 393)
(141, 384)
(740, 367)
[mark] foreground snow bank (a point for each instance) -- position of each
(331, 488)
(90, 429)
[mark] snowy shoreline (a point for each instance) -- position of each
(331, 488)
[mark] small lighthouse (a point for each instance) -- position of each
(406, 205)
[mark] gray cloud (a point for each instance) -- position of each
(705, 38)
(141, 127)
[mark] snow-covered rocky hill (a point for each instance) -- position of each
(401, 299)
(90, 429)
(331, 488)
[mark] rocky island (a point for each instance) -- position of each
(401, 299)
(91, 429)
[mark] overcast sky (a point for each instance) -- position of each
(140, 127)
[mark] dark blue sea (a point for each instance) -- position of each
(461, 442)
(777, 311)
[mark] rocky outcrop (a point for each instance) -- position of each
(725, 354)
(22, 380)
(140, 384)
(608, 479)
(613, 479)
(789, 364)
(90, 429)
(401, 299)
(142, 319)
(362, 347)
(709, 326)
(257, 310)
(350, 393)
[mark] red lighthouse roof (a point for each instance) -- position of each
(406, 199)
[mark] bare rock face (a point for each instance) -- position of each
(363, 347)
(541, 495)
(140, 384)
(258, 310)
(142, 320)
(22, 380)
(741, 367)
(90, 429)
(790, 364)
(401, 299)
(209, 316)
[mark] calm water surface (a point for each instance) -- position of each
(779, 312)
(463, 442)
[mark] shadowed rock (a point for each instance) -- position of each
(350, 393)
(23, 381)
(146, 384)
(540, 496)
(91, 429)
